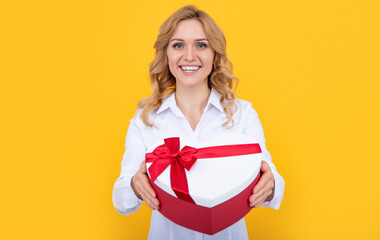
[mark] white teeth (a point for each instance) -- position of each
(190, 69)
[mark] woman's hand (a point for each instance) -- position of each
(264, 190)
(142, 188)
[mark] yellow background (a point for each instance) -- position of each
(72, 73)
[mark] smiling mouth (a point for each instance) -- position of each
(190, 68)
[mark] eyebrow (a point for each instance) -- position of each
(177, 39)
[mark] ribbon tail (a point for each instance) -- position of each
(158, 167)
(179, 182)
(228, 150)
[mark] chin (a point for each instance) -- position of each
(191, 84)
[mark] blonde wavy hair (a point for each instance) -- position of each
(164, 83)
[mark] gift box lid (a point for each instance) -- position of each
(212, 181)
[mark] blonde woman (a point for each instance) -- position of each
(192, 98)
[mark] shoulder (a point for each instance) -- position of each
(244, 107)
(137, 120)
(137, 115)
(249, 118)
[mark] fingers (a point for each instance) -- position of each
(264, 187)
(143, 167)
(257, 199)
(146, 192)
(264, 166)
(265, 178)
(265, 192)
(144, 189)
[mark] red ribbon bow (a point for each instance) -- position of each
(169, 154)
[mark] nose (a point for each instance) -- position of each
(189, 54)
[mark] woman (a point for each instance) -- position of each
(192, 98)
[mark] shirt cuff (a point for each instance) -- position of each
(124, 199)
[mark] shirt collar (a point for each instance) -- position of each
(214, 99)
(169, 102)
(166, 103)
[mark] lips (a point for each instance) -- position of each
(189, 68)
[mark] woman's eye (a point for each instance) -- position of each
(177, 45)
(202, 45)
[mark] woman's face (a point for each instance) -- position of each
(190, 55)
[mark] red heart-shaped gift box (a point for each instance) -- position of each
(204, 186)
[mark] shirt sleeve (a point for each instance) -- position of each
(124, 199)
(254, 128)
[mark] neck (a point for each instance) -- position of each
(192, 100)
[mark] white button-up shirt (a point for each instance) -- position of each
(170, 122)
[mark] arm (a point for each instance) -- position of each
(270, 189)
(124, 197)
